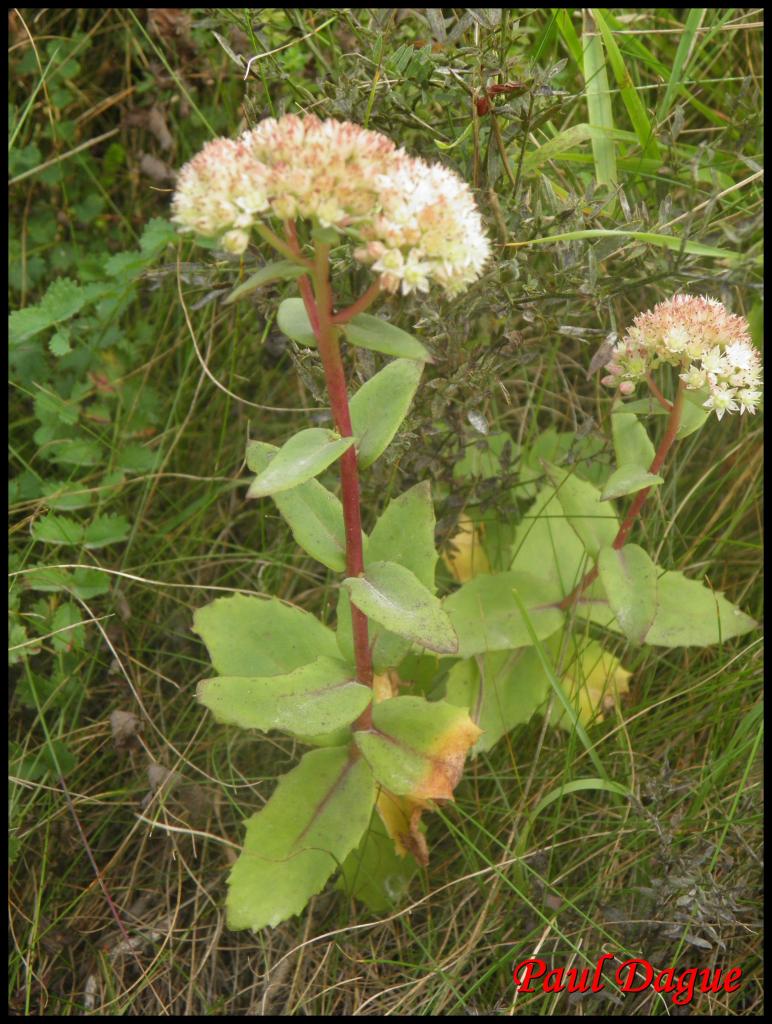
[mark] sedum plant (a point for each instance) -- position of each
(393, 699)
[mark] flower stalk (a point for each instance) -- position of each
(319, 305)
(674, 422)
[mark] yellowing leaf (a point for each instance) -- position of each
(592, 681)
(466, 557)
(417, 748)
(401, 817)
(385, 686)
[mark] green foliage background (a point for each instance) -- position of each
(624, 165)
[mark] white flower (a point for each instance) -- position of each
(706, 343)
(235, 241)
(695, 378)
(713, 361)
(741, 355)
(676, 338)
(721, 400)
(417, 221)
(748, 400)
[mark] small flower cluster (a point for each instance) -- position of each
(710, 346)
(413, 221)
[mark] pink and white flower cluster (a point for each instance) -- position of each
(710, 346)
(413, 222)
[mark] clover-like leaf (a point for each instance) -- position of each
(314, 819)
(301, 458)
(417, 748)
(55, 529)
(396, 598)
(315, 698)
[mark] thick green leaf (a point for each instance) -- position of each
(501, 690)
(371, 332)
(629, 578)
(403, 534)
(547, 548)
(388, 649)
(314, 515)
(641, 407)
(486, 616)
(68, 617)
(301, 458)
(337, 738)
(486, 457)
(396, 598)
(314, 819)
(63, 496)
(627, 480)
(632, 444)
(375, 873)
(417, 748)
(585, 456)
(690, 614)
(281, 270)
(595, 524)
(315, 698)
(255, 636)
(693, 413)
(293, 321)
(380, 406)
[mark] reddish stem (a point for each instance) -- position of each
(637, 504)
(319, 309)
(658, 394)
(362, 303)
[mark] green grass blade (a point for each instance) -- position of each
(685, 44)
(644, 129)
(672, 242)
(568, 33)
(599, 111)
